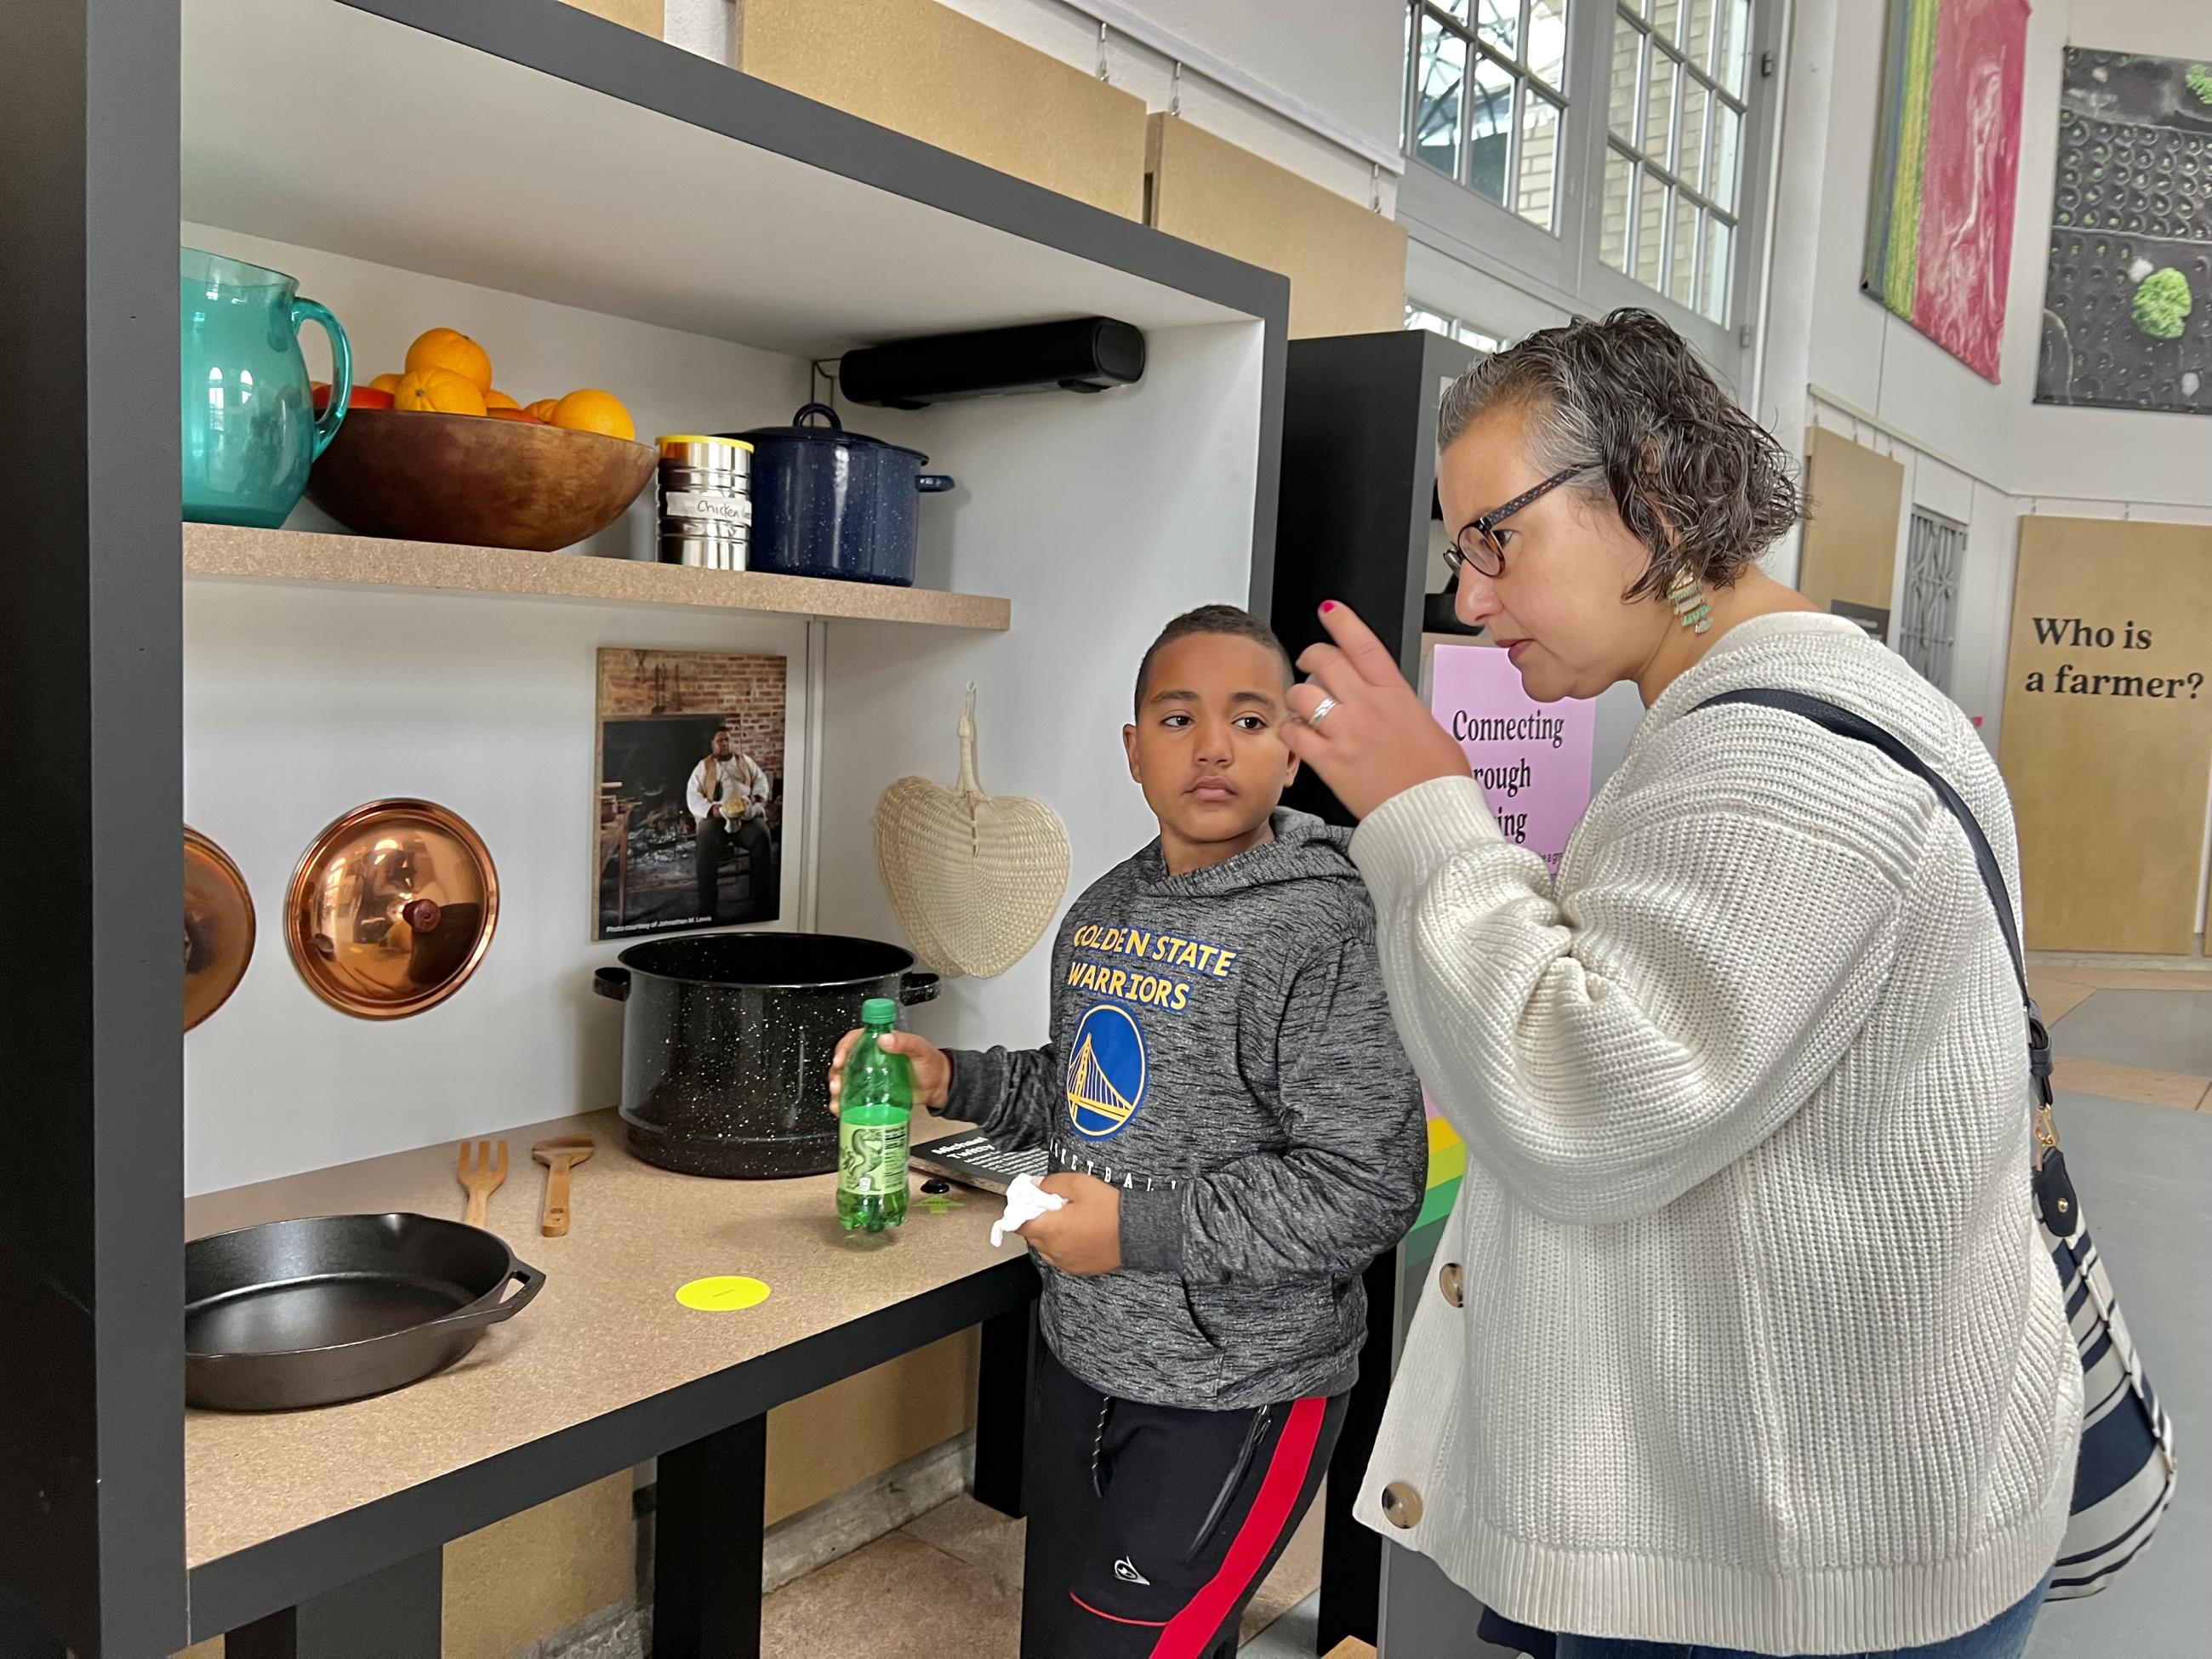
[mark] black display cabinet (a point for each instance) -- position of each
(1358, 500)
(1358, 495)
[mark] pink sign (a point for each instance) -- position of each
(1531, 759)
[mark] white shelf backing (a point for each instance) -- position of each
(1104, 517)
(302, 702)
(501, 194)
(491, 172)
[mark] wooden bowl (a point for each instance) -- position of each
(474, 479)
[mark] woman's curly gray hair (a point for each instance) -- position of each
(1704, 486)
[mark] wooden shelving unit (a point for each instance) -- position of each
(224, 553)
(710, 236)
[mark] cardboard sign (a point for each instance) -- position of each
(1531, 759)
(2108, 738)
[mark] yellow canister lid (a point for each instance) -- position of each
(667, 439)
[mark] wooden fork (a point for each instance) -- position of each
(482, 1177)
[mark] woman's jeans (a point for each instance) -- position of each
(2005, 1637)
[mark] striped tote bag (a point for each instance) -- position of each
(2124, 1482)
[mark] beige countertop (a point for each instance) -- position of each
(605, 1331)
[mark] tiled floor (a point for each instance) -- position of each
(2144, 1170)
(2164, 1031)
(2122, 1035)
(950, 1587)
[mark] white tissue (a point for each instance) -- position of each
(1025, 1202)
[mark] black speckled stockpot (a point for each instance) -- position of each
(727, 1040)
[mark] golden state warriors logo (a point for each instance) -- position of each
(1105, 1072)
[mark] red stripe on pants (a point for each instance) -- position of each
(1114, 1618)
(1191, 1632)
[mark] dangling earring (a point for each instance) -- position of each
(1692, 608)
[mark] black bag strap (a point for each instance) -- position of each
(2054, 1192)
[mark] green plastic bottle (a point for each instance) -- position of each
(875, 1108)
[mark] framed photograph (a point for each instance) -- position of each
(690, 807)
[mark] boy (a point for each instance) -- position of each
(1237, 1134)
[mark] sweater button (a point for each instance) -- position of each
(1401, 1505)
(1453, 1281)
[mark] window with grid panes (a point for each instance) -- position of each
(1452, 328)
(1486, 98)
(1675, 106)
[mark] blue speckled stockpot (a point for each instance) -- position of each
(829, 502)
(727, 1040)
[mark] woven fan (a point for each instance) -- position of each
(975, 879)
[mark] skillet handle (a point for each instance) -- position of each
(919, 987)
(533, 1282)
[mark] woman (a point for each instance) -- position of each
(1746, 1343)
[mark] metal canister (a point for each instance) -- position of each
(706, 501)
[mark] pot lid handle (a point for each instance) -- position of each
(827, 413)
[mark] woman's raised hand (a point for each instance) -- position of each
(1373, 739)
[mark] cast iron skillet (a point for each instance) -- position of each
(339, 1307)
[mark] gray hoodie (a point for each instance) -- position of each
(1221, 1052)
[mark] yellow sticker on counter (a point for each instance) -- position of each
(723, 1293)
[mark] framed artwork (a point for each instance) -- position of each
(1946, 165)
(689, 811)
(2125, 299)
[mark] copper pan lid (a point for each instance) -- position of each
(392, 908)
(218, 927)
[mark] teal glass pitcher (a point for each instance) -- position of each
(250, 426)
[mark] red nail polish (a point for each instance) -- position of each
(1328, 605)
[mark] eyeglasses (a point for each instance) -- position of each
(1477, 544)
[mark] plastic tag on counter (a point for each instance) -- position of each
(723, 1293)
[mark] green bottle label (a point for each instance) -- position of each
(871, 1157)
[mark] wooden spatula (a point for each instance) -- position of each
(559, 1156)
(481, 1176)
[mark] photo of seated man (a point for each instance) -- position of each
(692, 767)
(728, 794)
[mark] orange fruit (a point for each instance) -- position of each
(593, 411)
(364, 397)
(438, 390)
(521, 415)
(450, 349)
(543, 408)
(386, 383)
(495, 398)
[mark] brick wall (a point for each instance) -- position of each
(748, 692)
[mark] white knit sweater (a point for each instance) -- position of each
(1759, 1347)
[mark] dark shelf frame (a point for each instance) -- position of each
(1359, 492)
(1360, 480)
(92, 1497)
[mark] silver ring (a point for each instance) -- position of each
(1322, 710)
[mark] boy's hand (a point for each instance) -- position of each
(1085, 1237)
(932, 1071)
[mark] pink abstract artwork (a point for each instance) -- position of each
(1939, 245)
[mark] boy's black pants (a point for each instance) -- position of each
(1150, 1528)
